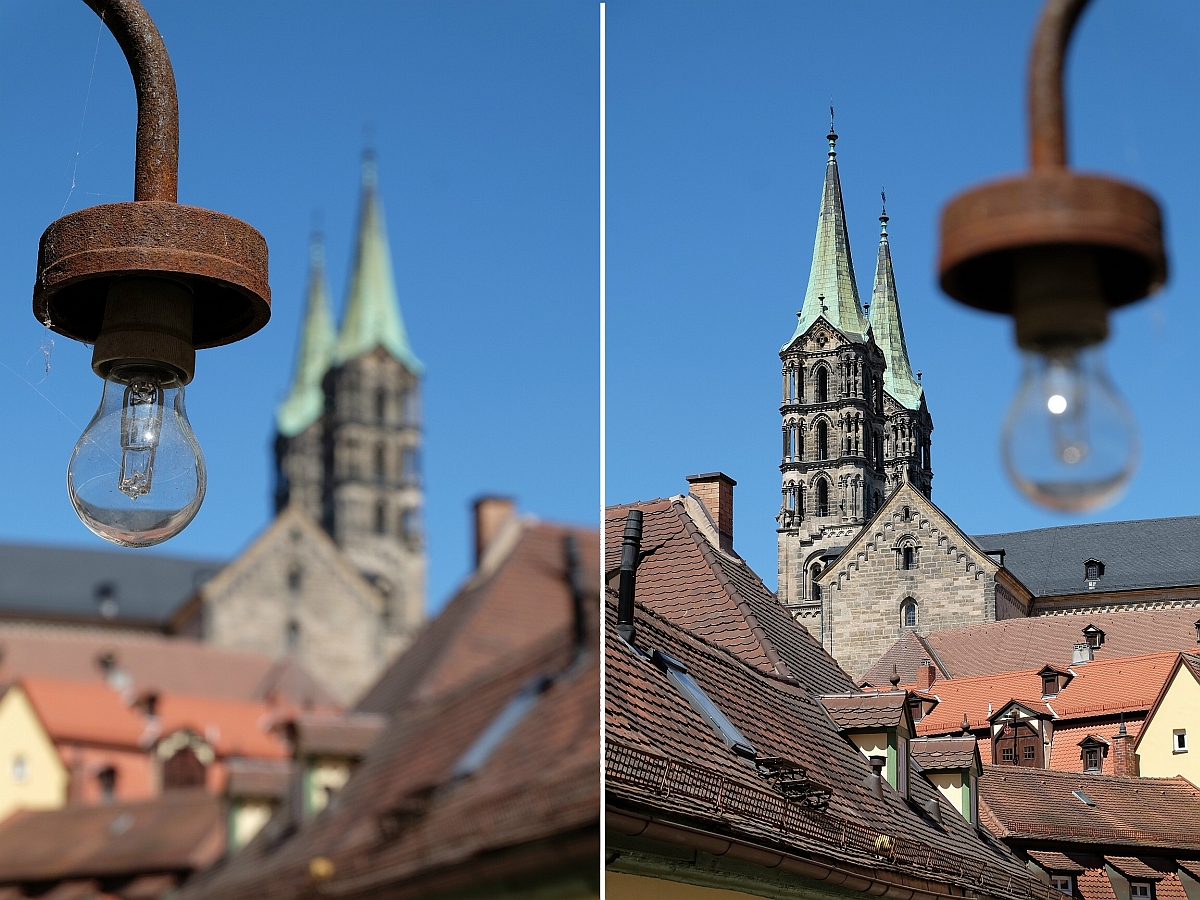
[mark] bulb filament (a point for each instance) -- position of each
(141, 427)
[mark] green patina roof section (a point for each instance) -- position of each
(889, 330)
(832, 272)
(306, 401)
(372, 309)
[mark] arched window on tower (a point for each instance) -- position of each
(380, 463)
(822, 497)
(909, 558)
(822, 441)
(908, 613)
(822, 384)
(291, 636)
(381, 399)
(816, 588)
(381, 518)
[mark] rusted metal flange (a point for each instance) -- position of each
(1052, 213)
(984, 229)
(221, 259)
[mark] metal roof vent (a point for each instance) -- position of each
(1081, 653)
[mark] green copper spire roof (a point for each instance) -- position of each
(372, 310)
(832, 273)
(888, 330)
(306, 401)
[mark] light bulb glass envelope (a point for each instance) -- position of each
(1069, 442)
(137, 476)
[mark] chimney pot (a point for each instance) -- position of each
(715, 491)
(1125, 761)
(491, 513)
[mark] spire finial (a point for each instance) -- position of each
(883, 216)
(368, 155)
(832, 136)
(316, 239)
(966, 725)
(895, 679)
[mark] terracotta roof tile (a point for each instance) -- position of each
(1103, 687)
(329, 734)
(1094, 885)
(1170, 888)
(714, 594)
(1066, 863)
(1142, 812)
(1013, 645)
(258, 777)
(179, 832)
(154, 663)
(932, 754)
(1065, 754)
(876, 710)
(522, 602)
(654, 737)
(1141, 869)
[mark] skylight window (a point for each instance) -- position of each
(1083, 798)
(678, 674)
(508, 718)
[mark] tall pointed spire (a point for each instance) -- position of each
(832, 272)
(306, 400)
(888, 330)
(372, 309)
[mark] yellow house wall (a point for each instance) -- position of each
(1180, 708)
(951, 786)
(246, 819)
(44, 785)
(619, 886)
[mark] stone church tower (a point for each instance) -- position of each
(348, 441)
(855, 423)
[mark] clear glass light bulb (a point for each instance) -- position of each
(137, 475)
(1069, 442)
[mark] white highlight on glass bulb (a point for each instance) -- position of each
(137, 475)
(1069, 441)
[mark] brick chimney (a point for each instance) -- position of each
(490, 514)
(715, 491)
(1125, 761)
(926, 676)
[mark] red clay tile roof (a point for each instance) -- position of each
(155, 663)
(664, 760)
(1013, 645)
(94, 713)
(1038, 804)
(1067, 864)
(1141, 869)
(403, 818)
(858, 711)
(1094, 885)
(330, 734)
(181, 831)
(491, 617)
(941, 753)
(258, 777)
(1170, 888)
(1100, 688)
(1065, 754)
(714, 594)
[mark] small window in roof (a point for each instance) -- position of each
(694, 694)
(1083, 798)
(1141, 890)
(500, 727)
(1062, 883)
(1093, 635)
(1050, 684)
(1093, 570)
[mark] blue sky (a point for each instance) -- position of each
(485, 120)
(716, 121)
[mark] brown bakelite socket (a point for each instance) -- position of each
(146, 320)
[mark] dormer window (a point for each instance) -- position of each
(1092, 751)
(1093, 635)
(1049, 685)
(1093, 571)
(1063, 883)
(1141, 890)
(916, 706)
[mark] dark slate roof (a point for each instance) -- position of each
(69, 584)
(1148, 553)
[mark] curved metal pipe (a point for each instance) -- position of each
(1047, 111)
(156, 163)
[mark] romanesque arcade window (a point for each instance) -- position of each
(908, 613)
(822, 441)
(822, 384)
(822, 497)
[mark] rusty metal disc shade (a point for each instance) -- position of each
(983, 229)
(221, 259)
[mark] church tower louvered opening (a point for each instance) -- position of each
(855, 424)
(348, 435)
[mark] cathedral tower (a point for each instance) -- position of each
(840, 420)
(348, 449)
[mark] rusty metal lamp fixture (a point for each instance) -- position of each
(147, 283)
(1056, 250)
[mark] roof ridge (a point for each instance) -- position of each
(716, 565)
